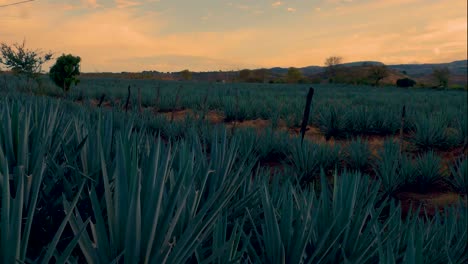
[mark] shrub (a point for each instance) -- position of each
(405, 82)
(65, 70)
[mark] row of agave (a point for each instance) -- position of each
(87, 186)
(395, 170)
(307, 159)
(350, 111)
(426, 131)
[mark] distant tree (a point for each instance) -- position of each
(332, 63)
(293, 75)
(377, 73)
(245, 74)
(23, 62)
(441, 75)
(405, 83)
(186, 75)
(65, 71)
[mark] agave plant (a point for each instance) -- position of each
(459, 175)
(358, 154)
(440, 239)
(430, 132)
(284, 233)
(308, 158)
(137, 224)
(358, 120)
(387, 167)
(428, 172)
(331, 122)
(27, 143)
(339, 224)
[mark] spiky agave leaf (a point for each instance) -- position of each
(459, 175)
(430, 132)
(358, 154)
(428, 172)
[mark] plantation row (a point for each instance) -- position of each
(436, 119)
(336, 110)
(97, 186)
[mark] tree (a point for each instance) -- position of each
(293, 75)
(441, 75)
(186, 75)
(332, 63)
(22, 61)
(377, 73)
(65, 70)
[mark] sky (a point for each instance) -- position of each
(204, 35)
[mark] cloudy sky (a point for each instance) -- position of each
(172, 35)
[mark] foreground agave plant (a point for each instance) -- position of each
(153, 209)
(27, 137)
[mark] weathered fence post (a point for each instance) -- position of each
(305, 119)
(101, 100)
(128, 99)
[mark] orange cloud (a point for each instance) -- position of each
(126, 38)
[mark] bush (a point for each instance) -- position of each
(405, 83)
(65, 70)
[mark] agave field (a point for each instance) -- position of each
(180, 172)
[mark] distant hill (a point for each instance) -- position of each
(418, 72)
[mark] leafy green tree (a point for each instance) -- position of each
(65, 71)
(23, 62)
(293, 75)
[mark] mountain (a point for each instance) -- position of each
(419, 70)
(415, 70)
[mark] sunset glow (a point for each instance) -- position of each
(172, 35)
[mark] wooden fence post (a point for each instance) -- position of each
(101, 100)
(128, 99)
(305, 118)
